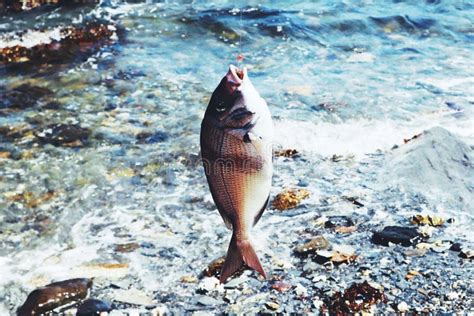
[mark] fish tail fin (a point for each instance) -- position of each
(240, 252)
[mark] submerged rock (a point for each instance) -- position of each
(64, 135)
(54, 295)
(289, 198)
(93, 307)
(23, 96)
(358, 297)
(405, 236)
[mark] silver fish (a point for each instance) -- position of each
(236, 149)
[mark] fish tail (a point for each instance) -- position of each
(240, 252)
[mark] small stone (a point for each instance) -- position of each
(234, 283)
(281, 286)
(405, 236)
(93, 307)
(457, 247)
(208, 284)
(301, 291)
(426, 231)
(315, 244)
(289, 198)
(353, 200)
(345, 230)
(288, 153)
(272, 306)
(188, 279)
(208, 301)
(411, 274)
(431, 220)
(466, 253)
(214, 268)
(403, 307)
(130, 247)
(338, 221)
(452, 296)
(5, 154)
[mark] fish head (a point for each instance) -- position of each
(233, 92)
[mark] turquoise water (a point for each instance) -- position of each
(347, 78)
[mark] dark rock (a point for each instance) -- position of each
(357, 298)
(457, 247)
(110, 107)
(23, 97)
(338, 221)
(151, 138)
(17, 5)
(73, 41)
(64, 135)
(93, 306)
(54, 295)
(354, 201)
(405, 236)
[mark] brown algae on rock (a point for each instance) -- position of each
(289, 198)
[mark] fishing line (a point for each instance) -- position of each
(240, 56)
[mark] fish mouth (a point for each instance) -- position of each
(236, 74)
(235, 77)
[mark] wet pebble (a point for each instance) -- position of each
(214, 268)
(338, 221)
(310, 247)
(54, 295)
(405, 236)
(93, 307)
(272, 306)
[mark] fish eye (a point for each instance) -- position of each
(220, 107)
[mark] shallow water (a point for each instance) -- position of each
(346, 79)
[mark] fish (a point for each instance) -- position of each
(236, 151)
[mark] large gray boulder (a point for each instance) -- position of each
(438, 165)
